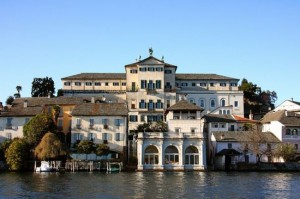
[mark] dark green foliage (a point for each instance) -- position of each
(16, 154)
(255, 100)
(159, 126)
(10, 100)
(3, 147)
(85, 146)
(287, 151)
(42, 87)
(37, 127)
(102, 149)
(60, 93)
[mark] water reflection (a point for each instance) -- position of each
(149, 185)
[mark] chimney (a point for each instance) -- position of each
(25, 104)
(93, 100)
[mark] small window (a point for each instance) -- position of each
(202, 103)
(123, 83)
(116, 84)
(177, 130)
(143, 84)
(151, 69)
(193, 84)
(158, 84)
(215, 125)
(184, 84)
(222, 84)
(97, 83)
(106, 83)
(142, 118)
(67, 83)
(133, 71)
(159, 69)
(223, 102)
(77, 83)
(212, 103)
(288, 132)
(229, 146)
(143, 69)
(233, 84)
(203, 84)
(296, 146)
(168, 71)
(236, 103)
(212, 84)
(133, 118)
(193, 130)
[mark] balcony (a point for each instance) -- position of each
(132, 89)
(156, 135)
(151, 91)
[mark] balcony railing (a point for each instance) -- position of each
(170, 135)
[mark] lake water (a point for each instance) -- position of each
(150, 185)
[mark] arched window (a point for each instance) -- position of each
(171, 155)
(202, 103)
(151, 155)
(223, 102)
(295, 132)
(191, 155)
(212, 103)
(192, 100)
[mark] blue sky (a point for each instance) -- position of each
(257, 39)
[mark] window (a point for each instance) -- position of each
(215, 125)
(143, 69)
(171, 155)
(229, 146)
(184, 84)
(8, 136)
(116, 84)
(177, 130)
(78, 123)
(92, 136)
(97, 83)
(288, 132)
(143, 118)
(222, 84)
(67, 83)
(236, 103)
(159, 69)
(106, 83)
(222, 125)
(78, 136)
(158, 84)
(88, 83)
(193, 130)
(106, 136)
(133, 71)
(123, 83)
(143, 84)
(202, 103)
(168, 85)
(151, 69)
(224, 112)
(228, 112)
(150, 105)
(193, 84)
(223, 102)
(212, 84)
(142, 104)
(233, 84)
(168, 103)
(105, 121)
(77, 83)
(133, 118)
(159, 105)
(191, 156)
(91, 122)
(168, 71)
(151, 155)
(119, 136)
(118, 122)
(212, 103)
(203, 84)
(150, 85)
(191, 100)
(295, 132)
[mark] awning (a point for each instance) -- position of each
(231, 152)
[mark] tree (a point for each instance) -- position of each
(85, 146)
(16, 154)
(18, 88)
(42, 87)
(4, 146)
(287, 151)
(255, 100)
(56, 112)
(102, 149)
(60, 93)
(9, 100)
(37, 127)
(159, 126)
(50, 147)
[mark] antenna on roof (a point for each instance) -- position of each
(162, 58)
(140, 58)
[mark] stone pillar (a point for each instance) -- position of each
(140, 154)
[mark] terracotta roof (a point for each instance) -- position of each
(96, 76)
(20, 111)
(244, 120)
(219, 118)
(100, 109)
(151, 61)
(287, 118)
(184, 105)
(203, 77)
(242, 136)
